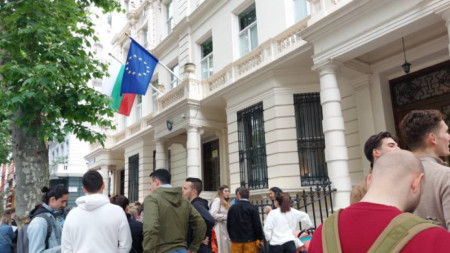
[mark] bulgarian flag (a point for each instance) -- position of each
(112, 85)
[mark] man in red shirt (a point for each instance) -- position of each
(396, 185)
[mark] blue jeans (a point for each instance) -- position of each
(179, 251)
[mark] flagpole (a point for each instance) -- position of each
(162, 64)
(112, 56)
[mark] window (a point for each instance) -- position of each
(301, 9)
(248, 32)
(207, 58)
(97, 83)
(169, 16)
(154, 96)
(138, 107)
(144, 35)
(173, 79)
(252, 147)
(154, 160)
(133, 178)
(169, 160)
(310, 139)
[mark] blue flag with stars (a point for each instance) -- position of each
(139, 68)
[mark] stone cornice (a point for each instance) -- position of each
(338, 18)
(356, 9)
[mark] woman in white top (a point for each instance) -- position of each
(280, 225)
(219, 210)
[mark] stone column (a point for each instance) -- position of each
(333, 127)
(193, 152)
(160, 156)
(446, 16)
(105, 174)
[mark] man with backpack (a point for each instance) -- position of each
(381, 222)
(43, 234)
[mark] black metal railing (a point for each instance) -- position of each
(317, 203)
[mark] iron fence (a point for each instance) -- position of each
(317, 202)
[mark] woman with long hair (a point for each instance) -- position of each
(280, 225)
(6, 233)
(219, 210)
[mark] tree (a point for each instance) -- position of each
(44, 72)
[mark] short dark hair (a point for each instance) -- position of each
(237, 190)
(374, 142)
(92, 181)
(416, 124)
(243, 191)
(196, 184)
(276, 190)
(162, 175)
(121, 201)
(56, 191)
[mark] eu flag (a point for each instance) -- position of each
(139, 68)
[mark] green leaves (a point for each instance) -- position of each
(46, 67)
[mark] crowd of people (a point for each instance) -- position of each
(402, 205)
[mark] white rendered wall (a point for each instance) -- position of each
(178, 165)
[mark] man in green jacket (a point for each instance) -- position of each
(167, 216)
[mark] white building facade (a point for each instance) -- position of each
(273, 93)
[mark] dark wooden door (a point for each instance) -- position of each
(211, 166)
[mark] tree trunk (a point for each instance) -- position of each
(30, 155)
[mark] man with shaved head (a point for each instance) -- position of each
(426, 135)
(396, 186)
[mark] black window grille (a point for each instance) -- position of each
(154, 160)
(169, 160)
(310, 139)
(252, 147)
(122, 182)
(133, 178)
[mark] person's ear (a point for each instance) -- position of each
(417, 183)
(431, 138)
(376, 154)
(84, 189)
(369, 180)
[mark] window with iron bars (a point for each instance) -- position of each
(133, 178)
(310, 139)
(252, 147)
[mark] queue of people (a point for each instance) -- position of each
(178, 220)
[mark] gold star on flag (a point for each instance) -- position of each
(134, 73)
(139, 74)
(140, 58)
(135, 56)
(145, 62)
(129, 72)
(126, 68)
(129, 58)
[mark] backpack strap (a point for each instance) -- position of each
(399, 232)
(49, 227)
(330, 234)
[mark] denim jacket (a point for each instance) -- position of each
(37, 231)
(6, 236)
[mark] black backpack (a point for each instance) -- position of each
(22, 236)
